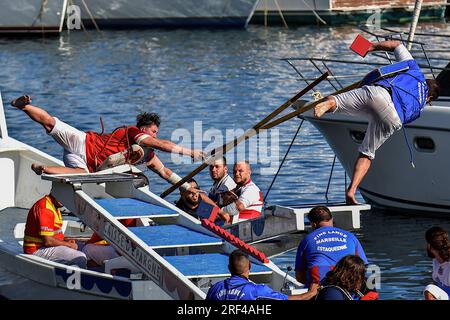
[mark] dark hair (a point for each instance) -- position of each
(349, 274)
(147, 119)
(319, 214)
(193, 180)
(237, 262)
(433, 89)
(437, 237)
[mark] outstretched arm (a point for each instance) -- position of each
(169, 146)
(158, 167)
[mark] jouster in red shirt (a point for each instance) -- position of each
(44, 219)
(101, 146)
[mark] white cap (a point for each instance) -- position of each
(437, 292)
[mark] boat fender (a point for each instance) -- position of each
(224, 234)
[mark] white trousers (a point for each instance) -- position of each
(99, 253)
(375, 104)
(74, 143)
(63, 254)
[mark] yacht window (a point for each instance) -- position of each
(424, 144)
(357, 136)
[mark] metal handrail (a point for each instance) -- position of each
(352, 62)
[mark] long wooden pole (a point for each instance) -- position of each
(248, 134)
(305, 108)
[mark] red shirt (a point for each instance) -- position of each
(43, 219)
(101, 146)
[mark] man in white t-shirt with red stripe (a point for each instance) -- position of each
(245, 201)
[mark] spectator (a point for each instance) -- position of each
(245, 201)
(438, 248)
(346, 281)
(239, 287)
(320, 250)
(44, 237)
(218, 171)
(189, 199)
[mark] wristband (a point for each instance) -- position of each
(174, 178)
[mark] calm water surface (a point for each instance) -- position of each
(227, 79)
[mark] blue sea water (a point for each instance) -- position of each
(223, 80)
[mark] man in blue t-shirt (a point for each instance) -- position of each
(320, 250)
(239, 287)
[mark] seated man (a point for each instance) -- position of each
(87, 151)
(321, 249)
(44, 236)
(98, 250)
(189, 200)
(245, 201)
(218, 171)
(239, 287)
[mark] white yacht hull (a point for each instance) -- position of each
(167, 13)
(32, 16)
(391, 181)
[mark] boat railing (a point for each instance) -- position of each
(345, 67)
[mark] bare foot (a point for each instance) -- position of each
(21, 102)
(350, 199)
(37, 168)
(321, 109)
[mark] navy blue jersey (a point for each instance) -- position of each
(239, 288)
(320, 250)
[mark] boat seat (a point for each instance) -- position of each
(209, 265)
(90, 178)
(122, 208)
(173, 236)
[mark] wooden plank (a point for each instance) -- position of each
(306, 108)
(248, 134)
